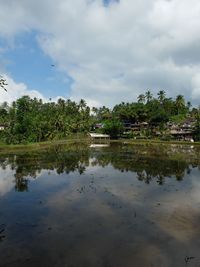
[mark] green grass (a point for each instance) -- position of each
(4, 148)
(38, 146)
(157, 141)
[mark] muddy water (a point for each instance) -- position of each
(117, 206)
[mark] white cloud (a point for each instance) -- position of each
(6, 180)
(114, 53)
(16, 90)
(196, 86)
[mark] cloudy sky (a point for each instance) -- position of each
(105, 51)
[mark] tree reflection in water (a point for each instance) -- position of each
(148, 162)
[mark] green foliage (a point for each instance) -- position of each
(178, 118)
(3, 83)
(30, 120)
(197, 126)
(148, 96)
(141, 98)
(112, 127)
(180, 104)
(158, 118)
(161, 96)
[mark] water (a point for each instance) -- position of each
(104, 206)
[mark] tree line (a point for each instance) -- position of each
(31, 120)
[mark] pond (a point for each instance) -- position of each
(116, 205)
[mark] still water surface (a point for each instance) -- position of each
(115, 206)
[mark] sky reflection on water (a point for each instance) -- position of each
(108, 206)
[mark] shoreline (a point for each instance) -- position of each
(43, 145)
(38, 145)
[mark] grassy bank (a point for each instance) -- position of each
(153, 141)
(44, 145)
(38, 146)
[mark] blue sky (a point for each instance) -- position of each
(28, 63)
(104, 51)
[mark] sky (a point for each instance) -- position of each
(104, 51)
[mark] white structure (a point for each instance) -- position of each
(99, 145)
(99, 136)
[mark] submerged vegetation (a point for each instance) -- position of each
(31, 120)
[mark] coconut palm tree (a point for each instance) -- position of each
(179, 103)
(148, 96)
(161, 96)
(189, 105)
(141, 98)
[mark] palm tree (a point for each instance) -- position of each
(180, 103)
(3, 83)
(82, 105)
(161, 96)
(141, 98)
(148, 96)
(189, 105)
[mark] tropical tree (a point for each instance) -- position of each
(168, 105)
(4, 113)
(3, 83)
(197, 125)
(148, 96)
(31, 120)
(141, 98)
(189, 105)
(180, 104)
(113, 127)
(103, 113)
(161, 96)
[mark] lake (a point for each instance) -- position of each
(116, 205)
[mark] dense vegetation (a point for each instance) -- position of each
(30, 120)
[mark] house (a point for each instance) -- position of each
(135, 127)
(182, 131)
